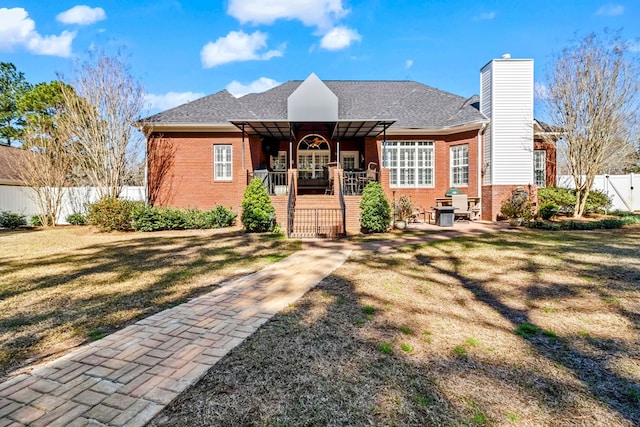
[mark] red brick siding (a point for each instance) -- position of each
(188, 181)
(493, 195)
(551, 164)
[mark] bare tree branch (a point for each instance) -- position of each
(99, 116)
(593, 94)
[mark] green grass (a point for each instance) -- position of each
(385, 348)
(405, 330)
(460, 351)
(368, 309)
(406, 348)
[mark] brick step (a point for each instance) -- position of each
(312, 202)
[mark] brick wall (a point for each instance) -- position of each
(187, 181)
(550, 159)
(493, 195)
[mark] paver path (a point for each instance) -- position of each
(126, 378)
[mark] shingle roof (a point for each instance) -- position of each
(10, 160)
(411, 104)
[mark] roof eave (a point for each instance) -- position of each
(444, 130)
(190, 127)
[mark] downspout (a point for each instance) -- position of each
(480, 156)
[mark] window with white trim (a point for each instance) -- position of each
(349, 160)
(222, 163)
(540, 168)
(410, 163)
(460, 165)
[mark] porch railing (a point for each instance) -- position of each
(291, 202)
(355, 181)
(276, 182)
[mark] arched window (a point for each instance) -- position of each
(313, 156)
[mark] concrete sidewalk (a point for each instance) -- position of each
(126, 378)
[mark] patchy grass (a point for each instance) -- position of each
(333, 370)
(63, 287)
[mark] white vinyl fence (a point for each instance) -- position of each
(22, 200)
(624, 190)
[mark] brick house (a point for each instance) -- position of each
(315, 144)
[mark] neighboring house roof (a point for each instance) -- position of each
(10, 160)
(410, 104)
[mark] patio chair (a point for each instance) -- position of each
(461, 203)
(372, 171)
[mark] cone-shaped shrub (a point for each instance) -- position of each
(375, 211)
(258, 213)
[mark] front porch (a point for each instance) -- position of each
(317, 207)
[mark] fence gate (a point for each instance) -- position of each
(316, 222)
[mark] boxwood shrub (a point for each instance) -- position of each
(12, 220)
(150, 218)
(258, 213)
(375, 211)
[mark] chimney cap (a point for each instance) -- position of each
(506, 56)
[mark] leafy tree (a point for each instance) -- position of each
(258, 212)
(593, 101)
(12, 87)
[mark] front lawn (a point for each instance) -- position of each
(62, 287)
(513, 328)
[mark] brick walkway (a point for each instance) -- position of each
(126, 378)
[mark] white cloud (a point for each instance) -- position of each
(237, 46)
(52, 45)
(82, 15)
(487, 16)
(263, 83)
(17, 29)
(312, 13)
(170, 99)
(610, 9)
(339, 38)
(408, 64)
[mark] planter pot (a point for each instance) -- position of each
(401, 224)
(516, 222)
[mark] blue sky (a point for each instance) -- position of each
(181, 50)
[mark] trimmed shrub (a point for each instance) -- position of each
(112, 214)
(258, 213)
(561, 197)
(77, 219)
(149, 218)
(548, 210)
(375, 211)
(12, 220)
(597, 202)
(36, 221)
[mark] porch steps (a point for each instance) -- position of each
(317, 216)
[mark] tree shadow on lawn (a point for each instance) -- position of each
(338, 358)
(586, 357)
(84, 295)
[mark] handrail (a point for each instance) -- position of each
(342, 205)
(290, 204)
